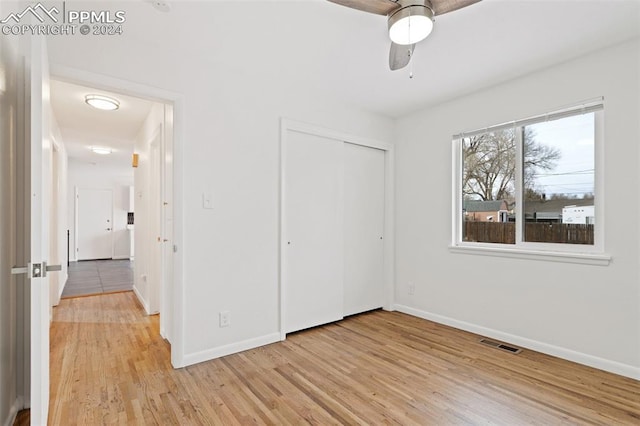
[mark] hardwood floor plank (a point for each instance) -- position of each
(109, 365)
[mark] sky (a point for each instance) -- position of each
(574, 171)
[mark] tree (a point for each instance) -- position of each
(490, 164)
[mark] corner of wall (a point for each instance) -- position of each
(141, 299)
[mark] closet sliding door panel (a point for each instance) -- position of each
(313, 229)
(364, 172)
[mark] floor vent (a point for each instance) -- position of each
(499, 345)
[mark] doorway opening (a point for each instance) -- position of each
(118, 181)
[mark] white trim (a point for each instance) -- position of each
(209, 354)
(142, 300)
(13, 412)
(518, 253)
(74, 256)
(519, 187)
(599, 181)
(287, 125)
(389, 228)
(583, 107)
(281, 253)
(324, 132)
(127, 87)
(535, 345)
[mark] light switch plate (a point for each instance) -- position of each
(207, 200)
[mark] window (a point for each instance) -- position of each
(530, 184)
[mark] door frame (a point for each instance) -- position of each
(176, 101)
(288, 125)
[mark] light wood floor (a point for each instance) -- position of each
(109, 365)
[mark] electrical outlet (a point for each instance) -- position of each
(412, 289)
(225, 319)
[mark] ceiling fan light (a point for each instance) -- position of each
(102, 102)
(410, 24)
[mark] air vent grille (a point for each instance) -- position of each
(500, 346)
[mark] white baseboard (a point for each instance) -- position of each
(120, 257)
(13, 412)
(209, 354)
(557, 351)
(142, 300)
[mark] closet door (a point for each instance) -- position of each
(364, 172)
(313, 231)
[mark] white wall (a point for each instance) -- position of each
(587, 313)
(8, 343)
(234, 97)
(88, 176)
(146, 267)
(58, 231)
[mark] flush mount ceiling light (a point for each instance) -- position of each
(100, 150)
(102, 102)
(410, 24)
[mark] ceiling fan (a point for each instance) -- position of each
(409, 21)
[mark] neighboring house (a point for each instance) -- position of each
(585, 215)
(560, 210)
(486, 211)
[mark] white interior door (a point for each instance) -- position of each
(364, 195)
(313, 222)
(33, 200)
(95, 224)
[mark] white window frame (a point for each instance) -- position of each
(556, 252)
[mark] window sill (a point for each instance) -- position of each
(516, 253)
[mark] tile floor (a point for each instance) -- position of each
(98, 276)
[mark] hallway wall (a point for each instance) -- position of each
(147, 279)
(58, 231)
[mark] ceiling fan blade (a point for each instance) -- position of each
(379, 7)
(445, 6)
(400, 55)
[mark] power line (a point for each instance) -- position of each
(577, 172)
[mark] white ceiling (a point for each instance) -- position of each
(83, 126)
(473, 48)
(343, 53)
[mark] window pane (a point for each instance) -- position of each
(559, 180)
(488, 186)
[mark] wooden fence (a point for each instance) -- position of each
(505, 232)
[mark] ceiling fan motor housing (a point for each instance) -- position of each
(399, 20)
